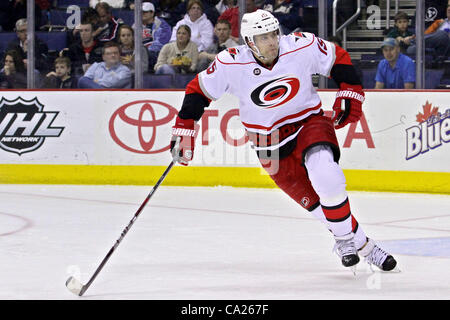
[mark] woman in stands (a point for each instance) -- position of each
(13, 75)
(180, 56)
(202, 30)
(126, 41)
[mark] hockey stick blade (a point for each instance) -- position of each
(75, 286)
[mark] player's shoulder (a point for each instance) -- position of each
(299, 38)
(234, 55)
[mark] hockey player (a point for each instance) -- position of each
(281, 112)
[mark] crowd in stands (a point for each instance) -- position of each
(182, 37)
(397, 70)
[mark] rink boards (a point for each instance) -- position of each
(122, 137)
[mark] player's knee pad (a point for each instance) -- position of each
(326, 177)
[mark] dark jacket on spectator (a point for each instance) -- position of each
(78, 56)
(57, 83)
(111, 31)
(17, 80)
(16, 11)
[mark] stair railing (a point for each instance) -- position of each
(344, 26)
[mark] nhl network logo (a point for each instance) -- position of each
(24, 125)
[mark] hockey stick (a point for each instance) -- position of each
(73, 284)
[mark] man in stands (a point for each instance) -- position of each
(110, 73)
(396, 70)
(21, 46)
(84, 53)
(109, 25)
(222, 41)
(155, 33)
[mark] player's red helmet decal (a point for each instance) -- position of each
(276, 92)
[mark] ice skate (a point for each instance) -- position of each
(374, 255)
(346, 250)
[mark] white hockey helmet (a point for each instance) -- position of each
(258, 22)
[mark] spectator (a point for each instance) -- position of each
(222, 32)
(126, 41)
(437, 42)
(171, 11)
(440, 25)
(20, 45)
(180, 56)
(400, 31)
(202, 29)
(396, 70)
(89, 15)
(129, 4)
(210, 10)
(155, 33)
(85, 51)
(43, 4)
(107, 74)
(13, 74)
(434, 10)
(109, 26)
(118, 4)
(232, 15)
(16, 10)
(223, 5)
(4, 18)
(60, 78)
(287, 12)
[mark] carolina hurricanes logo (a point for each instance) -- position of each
(276, 92)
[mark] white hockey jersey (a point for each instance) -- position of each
(270, 98)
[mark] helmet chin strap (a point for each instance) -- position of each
(255, 49)
(258, 54)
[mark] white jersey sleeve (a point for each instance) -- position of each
(214, 80)
(322, 53)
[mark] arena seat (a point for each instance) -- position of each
(5, 39)
(433, 78)
(127, 16)
(54, 40)
(158, 81)
(67, 3)
(57, 17)
(369, 78)
(181, 80)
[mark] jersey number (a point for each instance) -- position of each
(322, 46)
(212, 68)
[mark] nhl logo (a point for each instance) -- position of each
(24, 125)
(257, 71)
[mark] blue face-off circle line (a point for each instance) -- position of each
(425, 247)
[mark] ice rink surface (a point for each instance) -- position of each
(213, 243)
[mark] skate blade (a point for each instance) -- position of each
(353, 270)
(377, 269)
